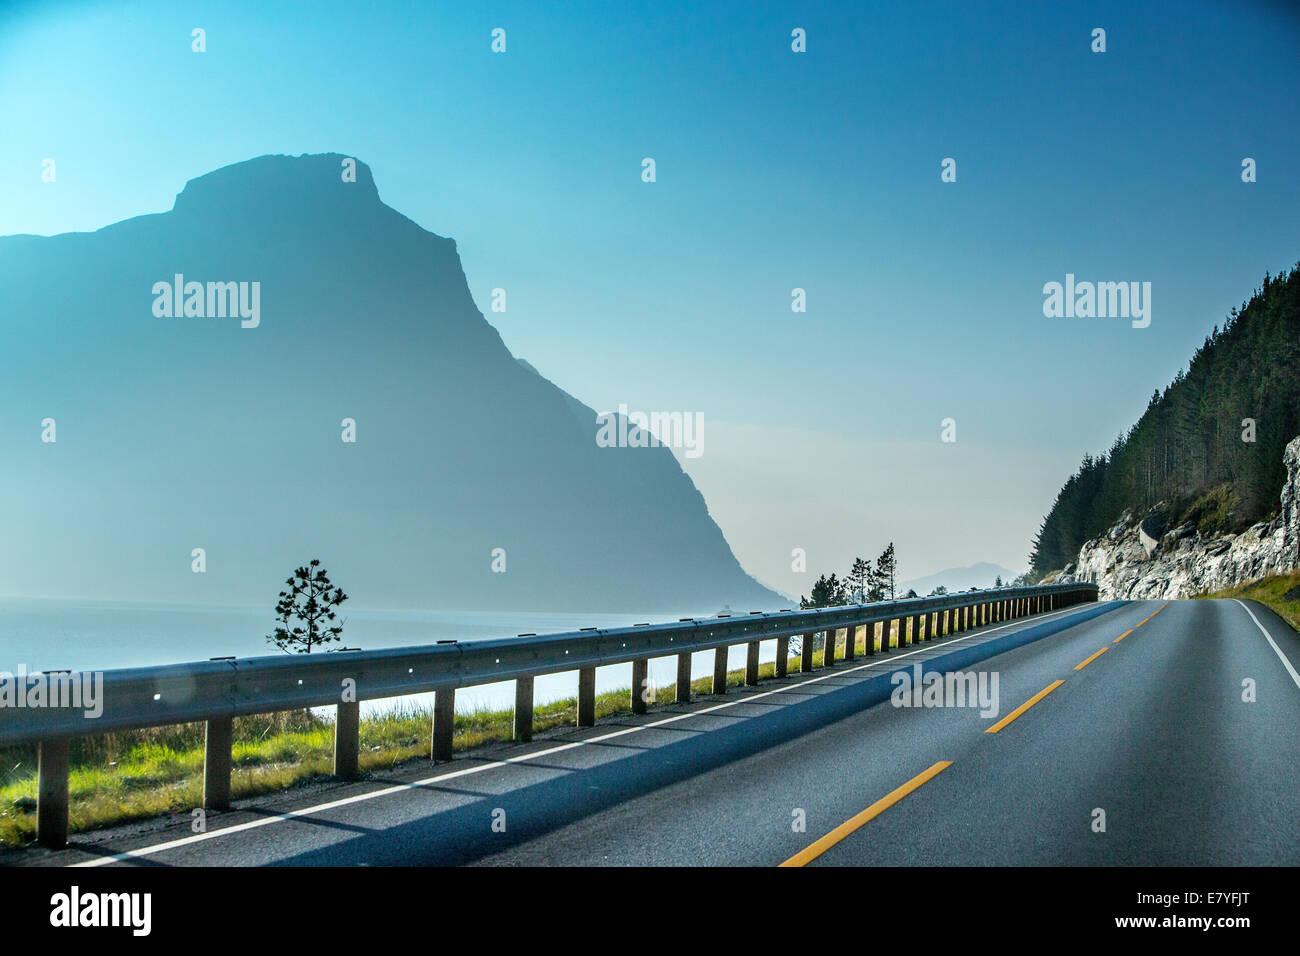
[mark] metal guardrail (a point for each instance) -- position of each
(218, 691)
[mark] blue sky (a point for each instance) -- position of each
(775, 170)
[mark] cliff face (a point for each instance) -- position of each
(217, 421)
(1138, 559)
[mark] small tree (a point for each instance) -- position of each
(886, 568)
(858, 580)
(310, 602)
(826, 592)
(939, 591)
(997, 583)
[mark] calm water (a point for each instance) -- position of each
(48, 634)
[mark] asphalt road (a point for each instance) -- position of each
(1153, 733)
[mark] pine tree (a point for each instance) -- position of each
(857, 581)
(886, 569)
(310, 602)
(1187, 449)
(826, 592)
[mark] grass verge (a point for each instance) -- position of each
(1281, 592)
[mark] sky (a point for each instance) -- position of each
(775, 170)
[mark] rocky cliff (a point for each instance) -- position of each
(1140, 558)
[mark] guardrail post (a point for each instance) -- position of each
(347, 739)
(782, 656)
(927, 626)
(683, 678)
(870, 643)
(586, 697)
(640, 684)
(805, 653)
(444, 716)
(217, 738)
(828, 651)
(52, 793)
(720, 670)
(850, 642)
(916, 628)
(523, 708)
(751, 664)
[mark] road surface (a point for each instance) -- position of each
(1154, 734)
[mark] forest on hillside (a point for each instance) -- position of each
(1193, 449)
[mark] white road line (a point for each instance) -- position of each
(525, 758)
(1276, 650)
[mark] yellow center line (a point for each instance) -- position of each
(1024, 707)
(811, 852)
(1079, 667)
(1143, 621)
(1122, 636)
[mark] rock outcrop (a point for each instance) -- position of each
(1138, 558)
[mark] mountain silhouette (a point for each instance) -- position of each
(178, 433)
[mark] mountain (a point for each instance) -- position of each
(981, 575)
(223, 429)
(1208, 453)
